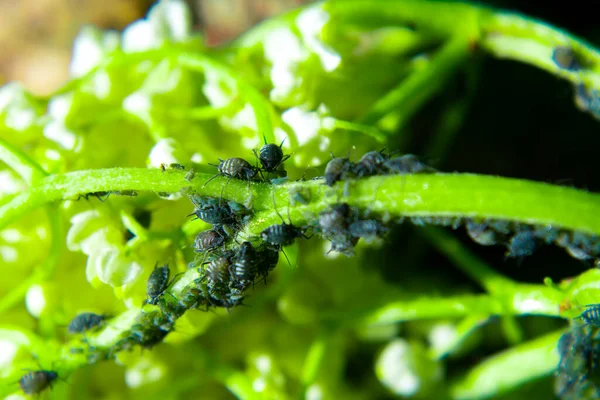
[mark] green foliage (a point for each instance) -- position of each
(327, 78)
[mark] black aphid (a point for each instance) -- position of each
(99, 195)
(406, 164)
(209, 240)
(522, 244)
(337, 169)
(370, 163)
(85, 322)
(217, 271)
(591, 315)
(483, 234)
(244, 269)
(157, 284)
(216, 214)
(148, 337)
(566, 58)
(172, 166)
(335, 220)
(367, 228)
(268, 259)
(236, 168)
(271, 156)
(34, 382)
(282, 234)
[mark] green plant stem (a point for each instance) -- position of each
(20, 162)
(510, 369)
(447, 195)
(410, 95)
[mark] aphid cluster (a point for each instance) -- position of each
(571, 60)
(578, 371)
(373, 163)
(343, 226)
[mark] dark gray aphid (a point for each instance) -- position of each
(587, 100)
(84, 322)
(243, 271)
(282, 234)
(337, 169)
(591, 315)
(99, 195)
(370, 163)
(34, 382)
(209, 240)
(217, 270)
(406, 164)
(268, 259)
(522, 244)
(271, 156)
(216, 214)
(334, 220)
(483, 234)
(172, 166)
(148, 337)
(157, 284)
(566, 58)
(367, 228)
(236, 168)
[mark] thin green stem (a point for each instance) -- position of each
(410, 95)
(20, 162)
(510, 369)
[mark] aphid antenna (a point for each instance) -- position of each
(276, 211)
(288, 260)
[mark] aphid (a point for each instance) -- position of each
(268, 259)
(216, 214)
(217, 271)
(85, 322)
(271, 156)
(282, 234)
(157, 284)
(235, 167)
(482, 233)
(131, 193)
(175, 166)
(406, 164)
(190, 175)
(368, 228)
(208, 240)
(591, 315)
(370, 163)
(521, 244)
(99, 195)
(337, 169)
(566, 58)
(149, 337)
(34, 382)
(244, 268)
(587, 100)
(343, 244)
(334, 220)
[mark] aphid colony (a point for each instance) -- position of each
(572, 60)
(373, 163)
(578, 371)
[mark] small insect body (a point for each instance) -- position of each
(157, 284)
(406, 164)
(217, 271)
(271, 156)
(367, 228)
(172, 166)
(591, 315)
(99, 195)
(337, 169)
(84, 322)
(482, 233)
(209, 240)
(236, 168)
(370, 163)
(215, 214)
(268, 259)
(566, 58)
(282, 234)
(522, 244)
(243, 271)
(34, 382)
